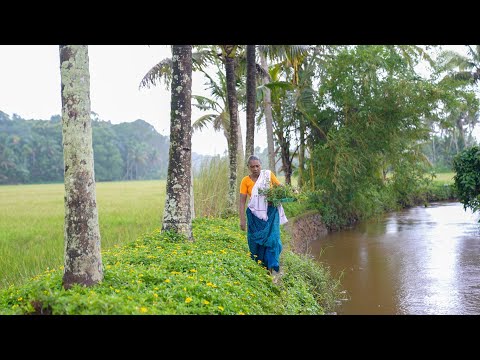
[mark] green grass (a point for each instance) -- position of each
(31, 222)
(444, 178)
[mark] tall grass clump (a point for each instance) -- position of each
(210, 187)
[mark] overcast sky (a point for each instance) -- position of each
(30, 87)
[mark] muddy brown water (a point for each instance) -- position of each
(422, 260)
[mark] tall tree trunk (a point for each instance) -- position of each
(177, 214)
(83, 260)
(285, 156)
(229, 54)
(240, 152)
(192, 198)
(301, 153)
(461, 134)
(267, 104)
(251, 101)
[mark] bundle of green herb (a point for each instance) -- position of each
(277, 194)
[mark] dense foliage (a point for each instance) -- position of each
(31, 151)
(467, 177)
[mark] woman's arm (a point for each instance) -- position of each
(241, 211)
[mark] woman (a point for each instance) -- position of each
(264, 220)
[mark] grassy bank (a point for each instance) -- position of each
(160, 273)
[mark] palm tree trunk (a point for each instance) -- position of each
(251, 101)
(301, 153)
(240, 152)
(83, 260)
(229, 54)
(177, 214)
(268, 118)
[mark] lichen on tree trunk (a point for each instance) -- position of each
(177, 215)
(83, 261)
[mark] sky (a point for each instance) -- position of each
(30, 87)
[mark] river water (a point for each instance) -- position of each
(422, 260)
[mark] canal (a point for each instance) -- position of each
(421, 260)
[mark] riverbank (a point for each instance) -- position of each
(303, 229)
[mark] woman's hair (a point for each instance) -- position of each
(253, 157)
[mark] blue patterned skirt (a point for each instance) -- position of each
(264, 238)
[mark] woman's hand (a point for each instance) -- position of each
(243, 225)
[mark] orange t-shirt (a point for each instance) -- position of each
(247, 184)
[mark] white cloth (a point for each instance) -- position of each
(258, 204)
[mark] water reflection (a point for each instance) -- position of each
(417, 261)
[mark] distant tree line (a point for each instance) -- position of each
(31, 150)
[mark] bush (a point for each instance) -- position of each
(467, 177)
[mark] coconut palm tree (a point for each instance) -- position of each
(286, 56)
(464, 68)
(177, 215)
(216, 107)
(251, 101)
(162, 72)
(228, 53)
(83, 261)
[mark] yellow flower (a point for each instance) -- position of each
(206, 302)
(167, 280)
(155, 295)
(220, 308)
(20, 298)
(193, 270)
(117, 291)
(143, 309)
(188, 299)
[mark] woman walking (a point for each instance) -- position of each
(263, 219)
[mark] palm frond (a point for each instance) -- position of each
(306, 100)
(450, 60)
(203, 57)
(203, 121)
(163, 70)
(203, 103)
(474, 54)
(218, 90)
(222, 121)
(283, 85)
(283, 52)
(297, 51)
